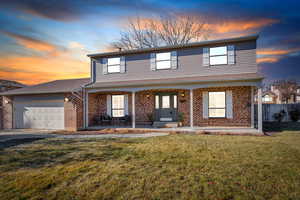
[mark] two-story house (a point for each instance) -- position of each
(208, 83)
(202, 84)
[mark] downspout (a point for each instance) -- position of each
(85, 93)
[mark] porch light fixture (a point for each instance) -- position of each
(148, 95)
(6, 102)
(182, 94)
(66, 99)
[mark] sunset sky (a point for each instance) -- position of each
(48, 40)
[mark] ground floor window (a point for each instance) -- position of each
(118, 105)
(217, 104)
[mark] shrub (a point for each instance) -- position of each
(279, 116)
(150, 117)
(180, 117)
(294, 115)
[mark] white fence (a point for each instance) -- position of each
(270, 109)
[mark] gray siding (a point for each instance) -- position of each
(189, 64)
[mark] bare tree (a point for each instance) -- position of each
(287, 89)
(171, 30)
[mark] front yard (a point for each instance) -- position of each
(168, 167)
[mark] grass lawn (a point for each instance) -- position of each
(168, 167)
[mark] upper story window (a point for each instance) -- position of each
(113, 65)
(163, 60)
(218, 55)
(217, 104)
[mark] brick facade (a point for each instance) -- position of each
(241, 98)
(144, 105)
(145, 100)
(7, 116)
(97, 105)
(73, 112)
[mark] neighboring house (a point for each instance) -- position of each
(298, 95)
(53, 105)
(207, 84)
(6, 85)
(269, 97)
(274, 96)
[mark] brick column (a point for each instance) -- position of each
(191, 109)
(252, 107)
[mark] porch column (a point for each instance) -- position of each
(86, 109)
(259, 110)
(252, 107)
(191, 109)
(133, 109)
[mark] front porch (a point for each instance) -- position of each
(143, 107)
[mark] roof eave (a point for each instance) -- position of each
(32, 93)
(258, 79)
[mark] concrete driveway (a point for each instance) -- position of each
(21, 136)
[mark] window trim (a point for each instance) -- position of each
(209, 56)
(111, 107)
(163, 60)
(225, 108)
(114, 65)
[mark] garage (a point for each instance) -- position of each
(53, 105)
(39, 112)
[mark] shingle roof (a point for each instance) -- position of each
(9, 83)
(58, 86)
(171, 47)
(183, 80)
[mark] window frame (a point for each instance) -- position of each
(209, 56)
(225, 108)
(112, 109)
(113, 66)
(170, 60)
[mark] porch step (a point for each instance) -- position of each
(159, 124)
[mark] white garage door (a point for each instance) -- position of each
(39, 112)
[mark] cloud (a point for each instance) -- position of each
(267, 60)
(75, 45)
(70, 10)
(272, 55)
(239, 25)
(272, 51)
(33, 44)
(32, 70)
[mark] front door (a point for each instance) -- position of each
(166, 107)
